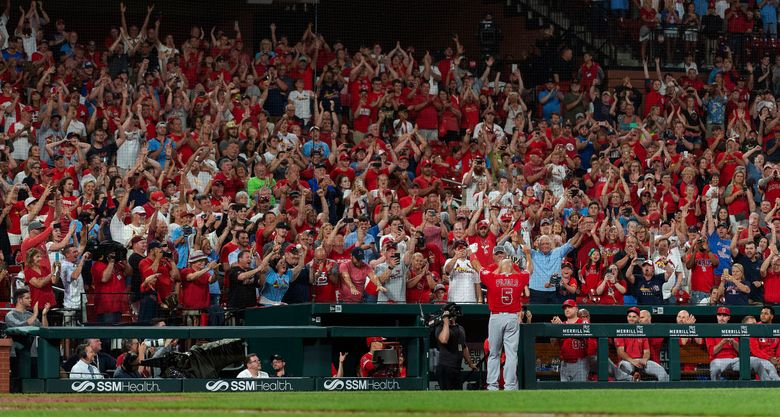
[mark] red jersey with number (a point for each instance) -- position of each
(573, 349)
(504, 291)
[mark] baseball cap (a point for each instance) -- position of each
(722, 224)
(483, 223)
(506, 217)
(158, 197)
(372, 339)
(633, 310)
(647, 262)
(291, 249)
(499, 249)
(34, 225)
(162, 124)
(567, 265)
(569, 303)
(138, 210)
(154, 244)
(649, 177)
(724, 311)
(357, 253)
(438, 287)
(29, 200)
(545, 221)
(283, 225)
(135, 239)
(277, 357)
(460, 243)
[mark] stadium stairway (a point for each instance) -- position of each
(606, 51)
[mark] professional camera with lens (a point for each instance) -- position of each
(105, 250)
(450, 310)
(167, 254)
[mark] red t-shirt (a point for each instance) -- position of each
(194, 294)
(772, 287)
(504, 290)
(108, 295)
(703, 273)
(359, 276)
(164, 284)
(324, 289)
(40, 295)
(485, 245)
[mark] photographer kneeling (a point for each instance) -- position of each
(451, 341)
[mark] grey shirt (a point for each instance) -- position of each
(19, 319)
(395, 284)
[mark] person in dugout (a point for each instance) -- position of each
(371, 369)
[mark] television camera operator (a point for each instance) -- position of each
(383, 360)
(451, 343)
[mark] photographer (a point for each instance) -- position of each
(108, 278)
(451, 342)
(159, 272)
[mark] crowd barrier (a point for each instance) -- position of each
(309, 349)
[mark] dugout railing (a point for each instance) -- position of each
(308, 351)
(536, 337)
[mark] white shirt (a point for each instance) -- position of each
(302, 102)
(74, 287)
(127, 154)
(462, 280)
(83, 370)
(246, 374)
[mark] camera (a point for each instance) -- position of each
(154, 343)
(349, 220)
(555, 279)
(187, 230)
(167, 254)
(420, 242)
(452, 310)
(102, 250)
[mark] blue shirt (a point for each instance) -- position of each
(586, 153)
(276, 285)
(700, 7)
(721, 248)
(547, 265)
(154, 144)
(769, 13)
(214, 286)
(351, 240)
(183, 248)
(553, 105)
(310, 146)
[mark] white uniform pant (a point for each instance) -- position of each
(717, 366)
(575, 371)
(765, 370)
(503, 333)
(652, 368)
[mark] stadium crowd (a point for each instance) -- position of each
(216, 178)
